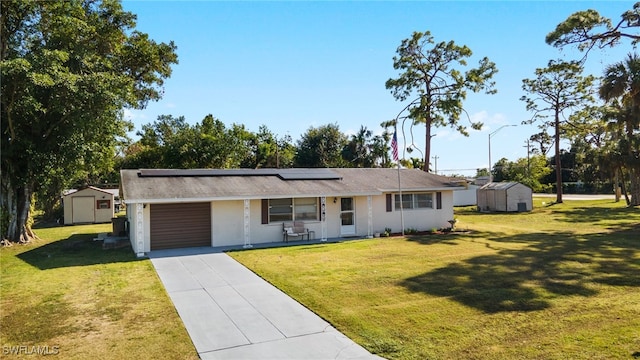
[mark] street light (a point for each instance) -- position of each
(491, 134)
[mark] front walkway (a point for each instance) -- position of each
(231, 313)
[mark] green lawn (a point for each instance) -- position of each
(65, 295)
(561, 282)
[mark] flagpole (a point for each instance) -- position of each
(394, 149)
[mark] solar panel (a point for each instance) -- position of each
(308, 174)
(284, 174)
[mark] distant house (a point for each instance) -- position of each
(505, 197)
(88, 205)
(213, 207)
(466, 196)
(117, 204)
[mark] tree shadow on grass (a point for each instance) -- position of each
(446, 238)
(76, 250)
(527, 279)
(594, 214)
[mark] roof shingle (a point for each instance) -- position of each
(166, 185)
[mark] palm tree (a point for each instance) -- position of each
(358, 151)
(620, 88)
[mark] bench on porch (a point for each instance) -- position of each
(294, 229)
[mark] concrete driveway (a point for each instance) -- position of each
(231, 313)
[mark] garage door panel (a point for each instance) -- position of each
(180, 225)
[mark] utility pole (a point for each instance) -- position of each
(528, 146)
(490, 135)
(435, 158)
(277, 153)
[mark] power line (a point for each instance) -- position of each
(457, 169)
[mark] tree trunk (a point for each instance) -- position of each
(623, 186)
(634, 169)
(16, 210)
(634, 174)
(558, 162)
(427, 146)
(616, 186)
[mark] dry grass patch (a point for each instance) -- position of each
(560, 282)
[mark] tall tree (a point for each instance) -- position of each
(358, 151)
(170, 142)
(321, 147)
(591, 141)
(68, 69)
(556, 90)
(271, 152)
(433, 81)
(620, 87)
(380, 147)
(542, 142)
(529, 171)
(588, 29)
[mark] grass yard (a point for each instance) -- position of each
(65, 296)
(561, 282)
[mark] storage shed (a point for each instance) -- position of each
(505, 196)
(88, 205)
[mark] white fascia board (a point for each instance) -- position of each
(357, 193)
(395, 190)
(182, 200)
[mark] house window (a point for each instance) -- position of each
(293, 209)
(103, 204)
(280, 210)
(306, 208)
(414, 201)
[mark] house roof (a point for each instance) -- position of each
(166, 185)
(74, 191)
(500, 185)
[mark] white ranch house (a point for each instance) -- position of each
(241, 207)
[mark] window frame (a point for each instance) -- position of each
(281, 216)
(411, 201)
(100, 202)
(294, 215)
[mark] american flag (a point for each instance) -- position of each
(394, 146)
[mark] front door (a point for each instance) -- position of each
(347, 216)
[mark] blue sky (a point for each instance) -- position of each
(298, 64)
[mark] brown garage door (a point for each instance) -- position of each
(180, 225)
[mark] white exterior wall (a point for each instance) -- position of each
(227, 224)
(501, 200)
(139, 245)
(466, 197)
(362, 215)
(419, 219)
(132, 226)
(383, 219)
(427, 219)
(519, 194)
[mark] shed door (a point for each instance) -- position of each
(83, 209)
(180, 225)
